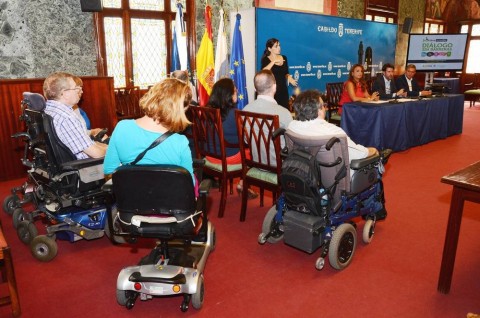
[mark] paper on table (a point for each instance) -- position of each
(375, 101)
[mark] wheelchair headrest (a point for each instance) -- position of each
(34, 101)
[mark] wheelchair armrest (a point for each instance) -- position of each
(357, 164)
(81, 163)
(279, 132)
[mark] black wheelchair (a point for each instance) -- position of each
(158, 202)
(66, 193)
(322, 216)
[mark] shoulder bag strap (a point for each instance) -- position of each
(155, 143)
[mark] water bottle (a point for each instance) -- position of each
(324, 200)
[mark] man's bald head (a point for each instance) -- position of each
(264, 82)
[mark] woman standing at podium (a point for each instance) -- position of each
(277, 63)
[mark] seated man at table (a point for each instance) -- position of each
(385, 85)
(62, 94)
(409, 84)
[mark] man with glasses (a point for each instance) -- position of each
(62, 94)
(409, 84)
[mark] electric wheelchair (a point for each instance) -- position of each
(158, 202)
(322, 216)
(66, 193)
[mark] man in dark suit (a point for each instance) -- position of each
(385, 85)
(409, 84)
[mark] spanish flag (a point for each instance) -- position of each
(205, 61)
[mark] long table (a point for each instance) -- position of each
(405, 124)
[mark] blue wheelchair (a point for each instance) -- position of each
(66, 193)
(312, 215)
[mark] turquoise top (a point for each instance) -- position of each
(128, 140)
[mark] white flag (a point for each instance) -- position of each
(181, 38)
(221, 52)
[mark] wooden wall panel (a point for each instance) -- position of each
(98, 101)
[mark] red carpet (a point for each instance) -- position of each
(394, 276)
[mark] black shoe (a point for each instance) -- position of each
(385, 155)
(381, 215)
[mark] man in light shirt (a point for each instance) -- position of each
(62, 94)
(265, 86)
(409, 84)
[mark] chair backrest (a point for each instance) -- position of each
(42, 133)
(208, 132)
(256, 134)
(127, 102)
(334, 92)
(317, 146)
(153, 189)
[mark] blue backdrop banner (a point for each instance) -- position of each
(321, 49)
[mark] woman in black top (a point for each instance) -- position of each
(277, 63)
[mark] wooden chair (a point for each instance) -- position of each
(258, 134)
(208, 138)
(127, 102)
(334, 92)
(8, 277)
(472, 90)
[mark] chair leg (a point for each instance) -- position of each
(262, 191)
(243, 210)
(231, 185)
(12, 284)
(223, 198)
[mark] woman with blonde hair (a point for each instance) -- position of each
(164, 106)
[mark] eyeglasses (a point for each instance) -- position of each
(76, 88)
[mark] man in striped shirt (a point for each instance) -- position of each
(62, 94)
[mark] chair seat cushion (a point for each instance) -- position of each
(218, 167)
(263, 175)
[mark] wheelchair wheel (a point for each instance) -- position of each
(43, 248)
(320, 263)
(19, 215)
(121, 297)
(197, 298)
(271, 226)
(26, 231)
(213, 239)
(116, 239)
(368, 231)
(10, 203)
(342, 246)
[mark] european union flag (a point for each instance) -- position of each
(237, 65)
